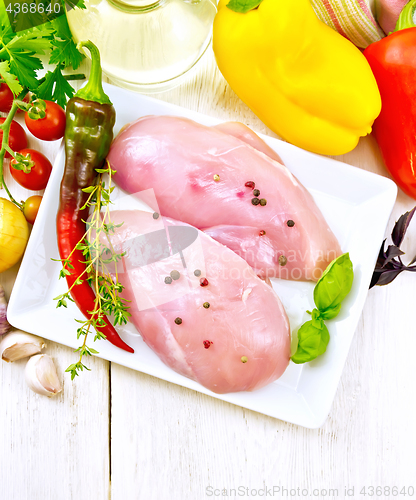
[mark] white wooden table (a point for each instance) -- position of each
(115, 433)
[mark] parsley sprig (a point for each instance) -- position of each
(101, 269)
(20, 64)
(22, 50)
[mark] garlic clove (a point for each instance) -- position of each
(4, 324)
(18, 345)
(41, 376)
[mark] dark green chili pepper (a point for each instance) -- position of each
(90, 118)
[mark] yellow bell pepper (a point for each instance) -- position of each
(306, 82)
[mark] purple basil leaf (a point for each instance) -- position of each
(392, 252)
(388, 276)
(381, 256)
(374, 279)
(401, 226)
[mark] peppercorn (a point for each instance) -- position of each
(262, 232)
(282, 260)
(207, 343)
(263, 202)
(244, 359)
(155, 215)
(178, 321)
(168, 280)
(206, 305)
(290, 223)
(256, 192)
(216, 178)
(175, 275)
(255, 201)
(203, 282)
(250, 184)
(197, 273)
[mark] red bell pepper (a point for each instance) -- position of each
(393, 61)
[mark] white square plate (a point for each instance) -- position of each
(356, 205)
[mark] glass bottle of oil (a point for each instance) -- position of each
(146, 46)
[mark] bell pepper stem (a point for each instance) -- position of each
(93, 90)
(406, 18)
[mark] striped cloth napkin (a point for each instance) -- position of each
(356, 19)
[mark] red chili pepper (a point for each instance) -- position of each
(393, 61)
(89, 131)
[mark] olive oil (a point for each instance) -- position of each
(145, 46)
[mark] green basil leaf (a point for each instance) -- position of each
(312, 342)
(317, 320)
(334, 285)
(243, 6)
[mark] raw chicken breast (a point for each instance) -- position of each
(238, 341)
(241, 131)
(199, 176)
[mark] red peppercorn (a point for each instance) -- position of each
(250, 184)
(262, 232)
(203, 282)
(207, 343)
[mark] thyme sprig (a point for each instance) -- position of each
(101, 269)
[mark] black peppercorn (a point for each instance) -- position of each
(168, 280)
(178, 321)
(256, 192)
(255, 201)
(290, 223)
(282, 260)
(175, 275)
(155, 215)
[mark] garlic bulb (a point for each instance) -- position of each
(4, 324)
(41, 376)
(17, 345)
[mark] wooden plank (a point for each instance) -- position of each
(59, 447)
(170, 442)
(55, 448)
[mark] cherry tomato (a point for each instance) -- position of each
(6, 98)
(38, 176)
(17, 137)
(50, 128)
(31, 207)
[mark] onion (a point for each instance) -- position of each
(14, 233)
